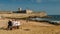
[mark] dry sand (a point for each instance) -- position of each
(30, 27)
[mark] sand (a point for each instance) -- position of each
(30, 27)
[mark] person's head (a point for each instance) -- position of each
(10, 20)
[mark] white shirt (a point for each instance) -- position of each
(16, 23)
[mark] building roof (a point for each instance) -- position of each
(23, 11)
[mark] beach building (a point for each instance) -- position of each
(28, 11)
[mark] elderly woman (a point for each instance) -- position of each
(16, 24)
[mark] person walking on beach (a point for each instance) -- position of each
(10, 25)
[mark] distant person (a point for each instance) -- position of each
(10, 25)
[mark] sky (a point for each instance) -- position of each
(52, 7)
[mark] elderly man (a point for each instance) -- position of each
(10, 25)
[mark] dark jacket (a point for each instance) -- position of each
(10, 23)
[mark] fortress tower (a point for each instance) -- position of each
(19, 9)
(28, 11)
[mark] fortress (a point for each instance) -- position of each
(22, 13)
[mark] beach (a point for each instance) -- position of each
(30, 27)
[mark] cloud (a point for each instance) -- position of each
(38, 1)
(32, 0)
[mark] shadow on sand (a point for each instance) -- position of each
(2, 28)
(26, 29)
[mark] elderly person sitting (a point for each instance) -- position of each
(10, 24)
(16, 24)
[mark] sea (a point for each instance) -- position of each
(54, 18)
